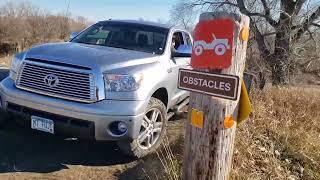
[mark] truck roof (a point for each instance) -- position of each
(149, 23)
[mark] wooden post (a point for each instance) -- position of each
(208, 150)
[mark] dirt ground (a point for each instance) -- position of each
(31, 155)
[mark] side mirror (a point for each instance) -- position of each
(73, 35)
(183, 51)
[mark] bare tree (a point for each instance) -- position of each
(276, 26)
(78, 24)
(23, 25)
(182, 16)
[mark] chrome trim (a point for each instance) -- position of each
(91, 84)
(55, 66)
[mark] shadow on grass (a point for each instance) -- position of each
(22, 150)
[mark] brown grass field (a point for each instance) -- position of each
(281, 139)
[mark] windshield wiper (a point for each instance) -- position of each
(121, 47)
(132, 49)
(83, 42)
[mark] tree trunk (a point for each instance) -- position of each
(279, 61)
(280, 71)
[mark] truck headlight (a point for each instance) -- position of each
(122, 83)
(15, 64)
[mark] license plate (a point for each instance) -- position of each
(42, 124)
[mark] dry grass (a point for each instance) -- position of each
(5, 61)
(171, 162)
(279, 141)
(165, 163)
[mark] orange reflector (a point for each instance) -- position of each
(244, 34)
(197, 118)
(228, 122)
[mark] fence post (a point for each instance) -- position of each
(209, 137)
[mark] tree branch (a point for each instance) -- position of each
(266, 8)
(307, 23)
(269, 34)
(267, 16)
(312, 37)
(240, 4)
(220, 3)
(315, 24)
(260, 39)
(298, 6)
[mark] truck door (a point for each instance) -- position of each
(180, 38)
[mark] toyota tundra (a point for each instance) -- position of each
(114, 81)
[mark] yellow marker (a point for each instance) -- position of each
(228, 122)
(197, 118)
(244, 34)
(244, 104)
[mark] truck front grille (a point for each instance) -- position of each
(57, 81)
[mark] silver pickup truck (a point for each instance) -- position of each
(114, 81)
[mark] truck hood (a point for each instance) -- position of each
(92, 56)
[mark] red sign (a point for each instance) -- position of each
(213, 42)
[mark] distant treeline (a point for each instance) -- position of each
(23, 25)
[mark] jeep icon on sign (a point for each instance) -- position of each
(218, 45)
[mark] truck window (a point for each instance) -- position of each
(187, 38)
(137, 37)
(98, 36)
(178, 39)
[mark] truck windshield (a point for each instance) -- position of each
(131, 36)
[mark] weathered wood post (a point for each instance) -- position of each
(215, 86)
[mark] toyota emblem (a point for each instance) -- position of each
(51, 80)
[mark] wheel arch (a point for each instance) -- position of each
(162, 95)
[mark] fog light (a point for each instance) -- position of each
(118, 128)
(122, 127)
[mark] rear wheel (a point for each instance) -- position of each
(151, 133)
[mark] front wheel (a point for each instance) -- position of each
(151, 133)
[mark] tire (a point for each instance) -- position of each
(220, 49)
(141, 146)
(198, 50)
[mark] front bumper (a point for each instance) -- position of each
(97, 115)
